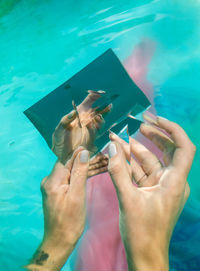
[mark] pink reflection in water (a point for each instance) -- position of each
(102, 248)
(137, 66)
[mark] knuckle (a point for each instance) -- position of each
(193, 148)
(174, 125)
(187, 191)
(42, 184)
(51, 191)
(177, 129)
(145, 158)
(48, 189)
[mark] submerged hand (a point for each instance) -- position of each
(64, 205)
(149, 211)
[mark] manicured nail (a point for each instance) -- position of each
(110, 106)
(162, 118)
(150, 118)
(84, 156)
(112, 135)
(101, 91)
(112, 150)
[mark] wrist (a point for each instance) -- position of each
(147, 258)
(149, 262)
(50, 256)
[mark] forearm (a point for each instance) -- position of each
(49, 257)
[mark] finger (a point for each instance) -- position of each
(70, 161)
(148, 161)
(77, 114)
(58, 135)
(61, 173)
(125, 146)
(141, 178)
(119, 170)
(98, 121)
(66, 120)
(100, 156)
(138, 174)
(185, 149)
(89, 100)
(97, 171)
(58, 176)
(98, 118)
(79, 173)
(91, 127)
(97, 165)
(161, 140)
(105, 110)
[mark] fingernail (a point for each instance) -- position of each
(162, 118)
(150, 118)
(112, 135)
(110, 106)
(112, 150)
(101, 91)
(84, 156)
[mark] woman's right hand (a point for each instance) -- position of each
(150, 209)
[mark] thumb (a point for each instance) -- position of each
(79, 172)
(119, 170)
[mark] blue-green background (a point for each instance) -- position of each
(43, 43)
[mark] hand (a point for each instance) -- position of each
(64, 205)
(80, 129)
(151, 194)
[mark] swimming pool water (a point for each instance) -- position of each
(43, 43)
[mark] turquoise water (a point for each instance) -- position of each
(43, 43)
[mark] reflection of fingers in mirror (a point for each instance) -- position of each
(105, 99)
(98, 164)
(99, 157)
(77, 114)
(97, 92)
(98, 121)
(93, 151)
(89, 100)
(92, 126)
(103, 110)
(67, 119)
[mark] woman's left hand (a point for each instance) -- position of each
(64, 206)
